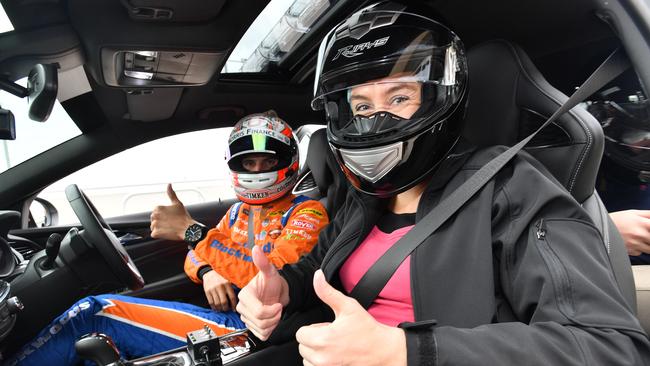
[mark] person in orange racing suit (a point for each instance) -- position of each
(285, 229)
(263, 158)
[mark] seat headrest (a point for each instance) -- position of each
(509, 99)
(323, 171)
(317, 160)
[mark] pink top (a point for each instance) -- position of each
(394, 304)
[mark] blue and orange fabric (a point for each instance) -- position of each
(138, 327)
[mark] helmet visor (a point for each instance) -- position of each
(394, 106)
(437, 66)
(417, 47)
(259, 144)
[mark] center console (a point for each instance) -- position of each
(203, 348)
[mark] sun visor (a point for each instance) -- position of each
(173, 10)
(139, 102)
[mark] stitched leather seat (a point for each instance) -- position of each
(322, 178)
(509, 99)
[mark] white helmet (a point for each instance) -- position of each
(263, 133)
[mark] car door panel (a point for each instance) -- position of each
(159, 261)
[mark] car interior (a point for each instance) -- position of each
(135, 71)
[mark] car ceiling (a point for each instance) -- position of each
(545, 29)
(565, 39)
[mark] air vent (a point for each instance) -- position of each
(306, 184)
(25, 250)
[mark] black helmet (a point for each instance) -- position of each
(392, 82)
(626, 124)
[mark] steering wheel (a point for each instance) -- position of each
(101, 237)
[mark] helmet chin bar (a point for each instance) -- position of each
(373, 163)
(257, 180)
(266, 192)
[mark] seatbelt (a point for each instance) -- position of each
(375, 279)
(251, 228)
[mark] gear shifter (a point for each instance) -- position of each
(98, 348)
(51, 250)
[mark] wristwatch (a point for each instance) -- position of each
(195, 233)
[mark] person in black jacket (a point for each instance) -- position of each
(519, 275)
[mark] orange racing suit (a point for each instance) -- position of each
(286, 229)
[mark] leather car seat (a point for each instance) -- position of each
(321, 176)
(508, 100)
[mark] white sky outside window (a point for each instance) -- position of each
(256, 33)
(274, 34)
(135, 180)
(32, 138)
(5, 23)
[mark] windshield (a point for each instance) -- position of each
(33, 138)
(5, 23)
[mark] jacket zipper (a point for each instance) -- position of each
(558, 272)
(541, 231)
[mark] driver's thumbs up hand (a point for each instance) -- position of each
(269, 287)
(353, 338)
(172, 195)
(170, 222)
(261, 301)
(342, 305)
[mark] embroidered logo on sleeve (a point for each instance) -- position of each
(303, 224)
(310, 211)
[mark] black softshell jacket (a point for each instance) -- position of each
(518, 276)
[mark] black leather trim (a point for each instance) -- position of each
(326, 172)
(504, 83)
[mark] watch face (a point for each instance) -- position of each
(193, 233)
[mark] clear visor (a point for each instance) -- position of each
(257, 145)
(433, 65)
(393, 105)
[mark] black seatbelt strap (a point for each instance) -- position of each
(251, 228)
(375, 279)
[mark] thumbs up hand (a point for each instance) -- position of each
(262, 299)
(353, 338)
(170, 222)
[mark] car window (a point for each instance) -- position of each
(274, 33)
(33, 138)
(135, 180)
(5, 23)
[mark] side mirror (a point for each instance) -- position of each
(42, 213)
(42, 86)
(7, 125)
